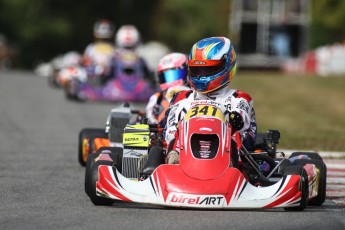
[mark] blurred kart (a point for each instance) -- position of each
(66, 75)
(64, 68)
(128, 82)
(204, 176)
(92, 140)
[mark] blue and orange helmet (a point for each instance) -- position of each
(211, 64)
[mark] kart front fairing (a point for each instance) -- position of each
(170, 186)
(203, 178)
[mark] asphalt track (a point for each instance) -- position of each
(41, 182)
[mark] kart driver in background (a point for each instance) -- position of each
(97, 55)
(127, 37)
(212, 66)
(172, 76)
(127, 40)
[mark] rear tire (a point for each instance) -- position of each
(97, 200)
(299, 170)
(311, 155)
(86, 137)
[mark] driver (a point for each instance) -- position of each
(172, 76)
(212, 66)
(97, 55)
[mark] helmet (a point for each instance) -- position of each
(212, 64)
(172, 70)
(127, 37)
(104, 29)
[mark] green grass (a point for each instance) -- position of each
(309, 111)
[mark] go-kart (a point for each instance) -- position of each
(113, 90)
(205, 176)
(127, 82)
(92, 139)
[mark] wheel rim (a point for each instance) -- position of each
(85, 149)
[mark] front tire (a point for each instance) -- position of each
(299, 170)
(115, 155)
(89, 164)
(97, 200)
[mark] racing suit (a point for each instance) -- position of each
(159, 103)
(228, 100)
(97, 58)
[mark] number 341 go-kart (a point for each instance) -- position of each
(204, 176)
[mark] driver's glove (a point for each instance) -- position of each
(236, 120)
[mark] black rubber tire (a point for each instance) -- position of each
(299, 170)
(89, 164)
(321, 197)
(68, 94)
(88, 133)
(311, 155)
(116, 156)
(52, 81)
(283, 164)
(96, 200)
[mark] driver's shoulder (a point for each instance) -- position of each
(241, 94)
(181, 95)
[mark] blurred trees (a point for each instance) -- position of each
(328, 19)
(181, 23)
(41, 29)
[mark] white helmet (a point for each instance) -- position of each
(103, 29)
(127, 36)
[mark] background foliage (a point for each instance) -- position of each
(41, 29)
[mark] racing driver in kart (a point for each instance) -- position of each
(212, 66)
(97, 55)
(172, 76)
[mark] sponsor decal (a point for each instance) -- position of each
(196, 200)
(199, 63)
(205, 102)
(228, 107)
(129, 139)
(136, 139)
(243, 105)
(171, 120)
(172, 116)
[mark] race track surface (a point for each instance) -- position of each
(41, 181)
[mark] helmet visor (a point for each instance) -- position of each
(172, 75)
(205, 67)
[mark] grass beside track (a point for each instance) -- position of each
(309, 111)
